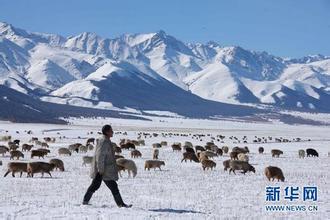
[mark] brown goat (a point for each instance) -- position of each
(189, 156)
(276, 152)
(233, 155)
(176, 147)
(155, 154)
(17, 154)
(58, 164)
(274, 173)
(64, 151)
(226, 165)
(225, 149)
(44, 150)
(153, 164)
(135, 154)
(3, 150)
(40, 167)
(27, 147)
(38, 153)
(206, 164)
(15, 167)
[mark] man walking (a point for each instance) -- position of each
(104, 168)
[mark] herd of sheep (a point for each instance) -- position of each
(203, 154)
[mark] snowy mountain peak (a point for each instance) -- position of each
(56, 65)
(213, 44)
(309, 59)
(9, 30)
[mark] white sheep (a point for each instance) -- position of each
(301, 153)
(243, 157)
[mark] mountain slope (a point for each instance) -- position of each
(18, 107)
(156, 71)
(125, 86)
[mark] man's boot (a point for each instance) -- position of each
(87, 197)
(119, 201)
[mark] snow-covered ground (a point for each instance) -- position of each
(180, 190)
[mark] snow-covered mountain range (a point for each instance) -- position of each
(156, 71)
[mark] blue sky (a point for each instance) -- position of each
(289, 28)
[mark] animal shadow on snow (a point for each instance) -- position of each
(178, 211)
(45, 177)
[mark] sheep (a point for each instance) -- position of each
(117, 150)
(114, 145)
(301, 153)
(209, 144)
(225, 149)
(163, 143)
(188, 143)
(17, 154)
(142, 142)
(240, 165)
(275, 173)
(40, 167)
(176, 147)
(241, 150)
(156, 145)
(153, 164)
(38, 153)
(5, 138)
(135, 142)
(13, 146)
(90, 140)
(33, 139)
(58, 164)
(226, 164)
(128, 165)
(83, 148)
(74, 147)
(64, 151)
(44, 144)
(243, 157)
(312, 152)
(44, 150)
(27, 147)
(208, 147)
(201, 156)
(189, 149)
(16, 141)
(47, 139)
(136, 153)
(206, 164)
(3, 150)
(209, 153)
(155, 154)
(90, 147)
(261, 150)
(219, 152)
(276, 152)
(214, 148)
(38, 142)
(127, 146)
(233, 155)
(199, 148)
(87, 160)
(189, 156)
(15, 167)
